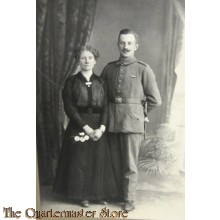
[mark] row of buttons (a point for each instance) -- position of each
(119, 79)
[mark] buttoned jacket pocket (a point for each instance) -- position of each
(136, 112)
(138, 116)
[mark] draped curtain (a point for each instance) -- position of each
(62, 25)
(173, 38)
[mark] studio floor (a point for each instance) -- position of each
(158, 198)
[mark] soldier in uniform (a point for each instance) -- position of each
(131, 85)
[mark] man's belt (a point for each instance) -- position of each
(119, 100)
(90, 110)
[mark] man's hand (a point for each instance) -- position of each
(146, 120)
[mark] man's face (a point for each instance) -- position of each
(127, 45)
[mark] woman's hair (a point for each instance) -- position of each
(89, 48)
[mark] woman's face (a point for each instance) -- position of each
(86, 60)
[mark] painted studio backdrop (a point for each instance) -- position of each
(63, 25)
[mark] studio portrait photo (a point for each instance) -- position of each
(110, 118)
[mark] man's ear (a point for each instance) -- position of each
(136, 47)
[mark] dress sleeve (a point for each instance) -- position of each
(104, 118)
(150, 89)
(70, 106)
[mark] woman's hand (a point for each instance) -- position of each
(88, 130)
(96, 134)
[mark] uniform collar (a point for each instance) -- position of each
(126, 61)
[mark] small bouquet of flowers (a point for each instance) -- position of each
(81, 137)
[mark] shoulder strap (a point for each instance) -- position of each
(142, 63)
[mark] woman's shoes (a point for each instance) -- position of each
(85, 203)
(103, 202)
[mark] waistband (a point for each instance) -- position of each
(90, 110)
(119, 100)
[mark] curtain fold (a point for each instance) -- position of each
(173, 38)
(62, 25)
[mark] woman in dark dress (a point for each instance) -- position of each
(85, 172)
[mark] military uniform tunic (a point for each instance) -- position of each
(130, 83)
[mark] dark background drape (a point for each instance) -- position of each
(62, 25)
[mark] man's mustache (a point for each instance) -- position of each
(126, 50)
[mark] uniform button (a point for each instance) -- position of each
(119, 85)
(119, 80)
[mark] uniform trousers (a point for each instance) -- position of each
(125, 149)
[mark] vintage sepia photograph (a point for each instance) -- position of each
(109, 109)
(110, 100)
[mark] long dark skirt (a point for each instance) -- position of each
(85, 169)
